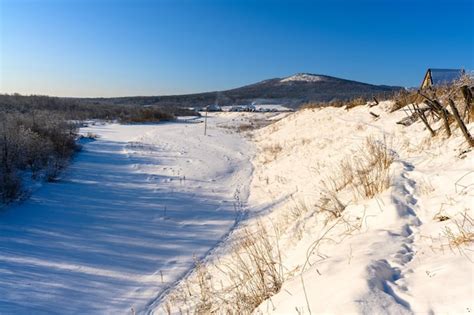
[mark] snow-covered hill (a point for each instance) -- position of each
(319, 241)
(400, 251)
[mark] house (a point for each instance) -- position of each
(437, 77)
(213, 108)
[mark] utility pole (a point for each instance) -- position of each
(205, 122)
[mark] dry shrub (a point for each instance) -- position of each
(331, 204)
(239, 284)
(312, 105)
(359, 101)
(255, 269)
(462, 234)
(272, 152)
(204, 305)
(367, 173)
(370, 170)
(378, 153)
(404, 98)
(246, 127)
(351, 103)
(298, 210)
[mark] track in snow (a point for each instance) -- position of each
(125, 222)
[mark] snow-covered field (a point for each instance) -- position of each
(121, 232)
(128, 218)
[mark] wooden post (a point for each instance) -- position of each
(376, 100)
(444, 114)
(437, 107)
(467, 94)
(424, 119)
(461, 124)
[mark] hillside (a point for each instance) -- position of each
(291, 91)
(347, 213)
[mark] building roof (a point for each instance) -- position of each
(444, 76)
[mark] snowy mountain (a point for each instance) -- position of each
(291, 91)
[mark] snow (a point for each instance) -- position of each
(386, 254)
(126, 221)
(123, 227)
(303, 77)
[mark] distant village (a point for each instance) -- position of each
(254, 107)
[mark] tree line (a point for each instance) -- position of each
(38, 134)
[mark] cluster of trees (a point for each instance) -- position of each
(80, 109)
(40, 142)
(38, 133)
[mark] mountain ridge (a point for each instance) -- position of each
(291, 91)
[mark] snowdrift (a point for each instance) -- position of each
(348, 212)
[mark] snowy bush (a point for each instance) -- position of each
(39, 143)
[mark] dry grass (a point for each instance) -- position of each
(251, 274)
(331, 204)
(256, 270)
(271, 152)
(351, 103)
(404, 98)
(370, 171)
(359, 101)
(461, 234)
(367, 173)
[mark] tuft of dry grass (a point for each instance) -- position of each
(271, 152)
(236, 285)
(461, 234)
(370, 171)
(331, 204)
(255, 268)
(404, 98)
(359, 101)
(367, 173)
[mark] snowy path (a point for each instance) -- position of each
(126, 220)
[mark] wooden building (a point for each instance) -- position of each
(437, 77)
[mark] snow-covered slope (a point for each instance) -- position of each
(392, 253)
(402, 250)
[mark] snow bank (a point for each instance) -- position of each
(337, 250)
(391, 253)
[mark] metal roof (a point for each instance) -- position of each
(444, 76)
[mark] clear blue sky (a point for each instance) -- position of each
(138, 47)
